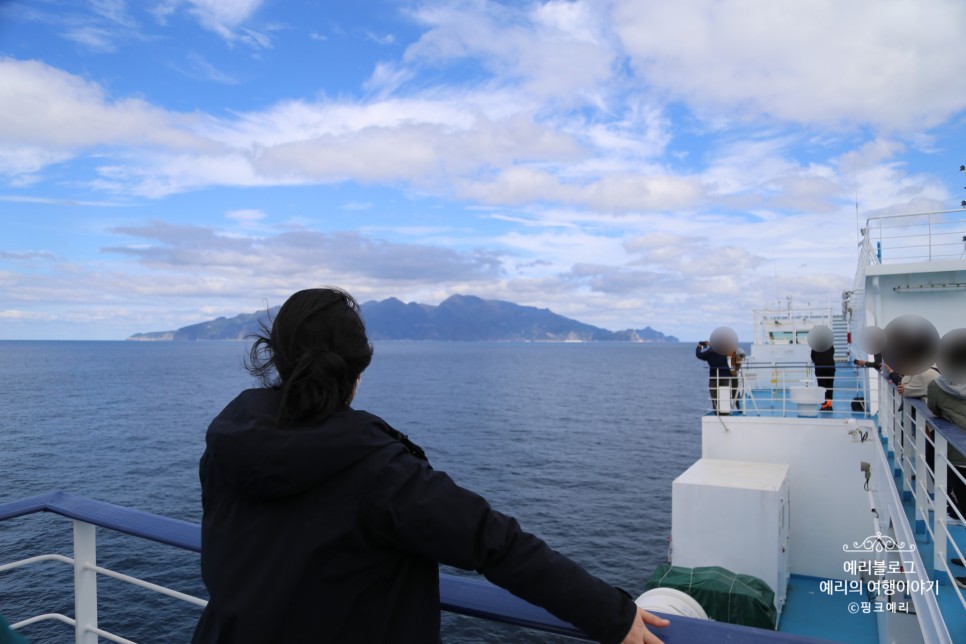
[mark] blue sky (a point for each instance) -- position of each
(622, 162)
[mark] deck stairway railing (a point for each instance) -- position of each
(840, 334)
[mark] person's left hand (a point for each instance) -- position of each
(639, 632)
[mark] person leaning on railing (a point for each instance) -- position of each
(947, 399)
(321, 523)
(894, 376)
(917, 385)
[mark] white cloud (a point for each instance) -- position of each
(246, 216)
(500, 142)
(295, 257)
(93, 37)
(555, 51)
(820, 62)
(56, 113)
(225, 17)
(22, 160)
(380, 39)
(14, 314)
(198, 67)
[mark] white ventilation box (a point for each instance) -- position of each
(733, 514)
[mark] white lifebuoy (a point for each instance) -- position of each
(671, 601)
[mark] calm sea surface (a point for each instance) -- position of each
(579, 441)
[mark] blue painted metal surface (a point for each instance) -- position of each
(173, 532)
(461, 595)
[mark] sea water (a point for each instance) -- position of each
(579, 441)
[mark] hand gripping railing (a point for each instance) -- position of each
(461, 595)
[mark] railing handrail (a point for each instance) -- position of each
(461, 595)
(465, 596)
(765, 388)
(936, 224)
(173, 532)
(953, 433)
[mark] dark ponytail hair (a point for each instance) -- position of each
(314, 353)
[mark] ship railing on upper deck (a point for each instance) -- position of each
(931, 236)
(790, 389)
(923, 451)
(461, 595)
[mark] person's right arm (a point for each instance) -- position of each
(423, 512)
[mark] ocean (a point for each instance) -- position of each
(579, 441)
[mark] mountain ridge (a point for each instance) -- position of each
(457, 318)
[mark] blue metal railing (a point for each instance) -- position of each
(461, 595)
(910, 429)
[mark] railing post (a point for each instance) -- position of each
(85, 583)
(898, 430)
(922, 477)
(885, 412)
(940, 465)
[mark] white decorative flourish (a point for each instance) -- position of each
(879, 543)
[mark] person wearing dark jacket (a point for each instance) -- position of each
(719, 371)
(824, 362)
(322, 523)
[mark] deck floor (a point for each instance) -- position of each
(809, 611)
(774, 402)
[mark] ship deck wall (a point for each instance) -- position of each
(828, 505)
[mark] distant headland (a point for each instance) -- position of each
(459, 317)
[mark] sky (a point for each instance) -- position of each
(626, 163)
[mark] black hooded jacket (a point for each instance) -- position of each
(332, 533)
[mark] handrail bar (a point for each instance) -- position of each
(138, 523)
(462, 595)
(953, 433)
(764, 388)
(939, 225)
(459, 595)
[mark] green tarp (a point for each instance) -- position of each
(724, 595)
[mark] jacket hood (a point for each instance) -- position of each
(957, 389)
(266, 461)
